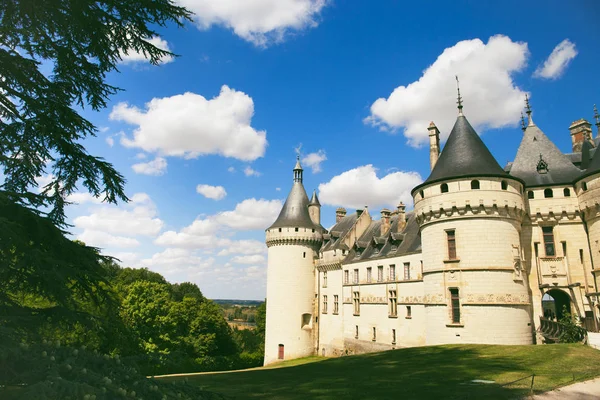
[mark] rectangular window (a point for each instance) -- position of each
(356, 302)
(325, 279)
(548, 241)
(356, 331)
(392, 272)
(374, 334)
(393, 303)
(393, 336)
(369, 274)
(280, 352)
(380, 273)
(346, 276)
(407, 271)
(451, 237)
(455, 304)
(408, 311)
(356, 276)
(324, 304)
(335, 304)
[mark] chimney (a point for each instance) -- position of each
(385, 220)
(434, 144)
(401, 216)
(581, 130)
(339, 214)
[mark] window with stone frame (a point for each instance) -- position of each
(335, 304)
(393, 336)
(325, 279)
(356, 275)
(325, 304)
(548, 235)
(451, 241)
(392, 272)
(408, 312)
(455, 305)
(392, 303)
(380, 273)
(356, 302)
(407, 271)
(369, 273)
(346, 276)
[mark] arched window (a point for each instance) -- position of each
(475, 184)
(504, 185)
(530, 194)
(548, 193)
(567, 192)
(444, 187)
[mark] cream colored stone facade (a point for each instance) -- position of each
(511, 245)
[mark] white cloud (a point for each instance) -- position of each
(110, 141)
(137, 57)
(211, 192)
(361, 186)
(200, 234)
(258, 21)
(156, 167)
(102, 239)
(245, 246)
(188, 125)
(127, 258)
(249, 259)
(83, 197)
(491, 98)
(314, 160)
(231, 169)
(278, 189)
(138, 217)
(249, 171)
(558, 61)
(140, 156)
(251, 214)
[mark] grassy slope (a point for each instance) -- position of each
(417, 373)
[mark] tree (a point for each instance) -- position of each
(186, 289)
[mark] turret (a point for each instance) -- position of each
(434, 144)
(314, 209)
(292, 242)
(470, 211)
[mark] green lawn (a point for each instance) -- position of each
(436, 372)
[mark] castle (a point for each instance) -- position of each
(489, 255)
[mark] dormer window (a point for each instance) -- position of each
(542, 166)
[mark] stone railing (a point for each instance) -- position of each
(552, 330)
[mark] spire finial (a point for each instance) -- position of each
(597, 118)
(459, 102)
(528, 107)
(298, 170)
(522, 122)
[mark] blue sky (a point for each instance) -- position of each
(351, 85)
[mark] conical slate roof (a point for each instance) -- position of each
(535, 148)
(464, 155)
(315, 200)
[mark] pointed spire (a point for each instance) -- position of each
(314, 201)
(528, 107)
(298, 170)
(459, 102)
(597, 118)
(522, 122)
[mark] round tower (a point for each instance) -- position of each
(292, 242)
(470, 212)
(314, 209)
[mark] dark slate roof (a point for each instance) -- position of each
(295, 210)
(586, 156)
(594, 166)
(372, 245)
(315, 200)
(535, 143)
(335, 238)
(464, 154)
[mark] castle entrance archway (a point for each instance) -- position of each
(554, 303)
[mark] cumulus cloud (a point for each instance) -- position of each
(254, 259)
(491, 97)
(102, 239)
(82, 198)
(211, 192)
(260, 22)
(558, 61)
(251, 214)
(244, 246)
(156, 167)
(110, 141)
(361, 186)
(138, 217)
(249, 171)
(314, 160)
(138, 57)
(188, 125)
(187, 240)
(231, 169)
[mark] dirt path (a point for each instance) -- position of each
(588, 390)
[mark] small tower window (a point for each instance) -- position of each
(530, 194)
(567, 192)
(444, 188)
(504, 185)
(584, 186)
(374, 334)
(279, 229)
(475, 184)
(295, 229)
(422, 194)
(548, 193)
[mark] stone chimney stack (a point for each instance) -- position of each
(581, 130)
(385, 221)
(401, 216)
(434, 144)
(339, 214)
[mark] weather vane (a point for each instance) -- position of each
(460, 106)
